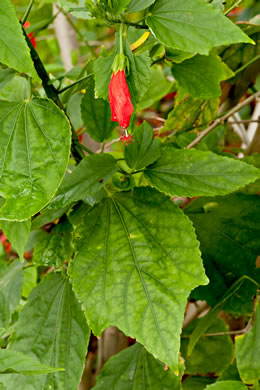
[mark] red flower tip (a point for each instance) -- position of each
(120, 99)
(30, 35)
(127, 138)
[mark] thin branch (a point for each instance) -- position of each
(247, 64)
(75, 83)
(27, 12)
(233, 7)
(245, 121)
(223, 118)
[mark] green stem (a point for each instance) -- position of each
(121, 32)
(52, 94)
(75, 83)
(83, 147)
(136, 25)
(103, 147)
(247, 64)
(233, 6)
(27, 12)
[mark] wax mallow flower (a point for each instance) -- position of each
(119, 95)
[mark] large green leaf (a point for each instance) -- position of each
(144, 150)
(227, 385)
(130, 271)
(96, 115)
(200, 76)
(12, 362)
(192, 173)
(39, 133)
(192, 26)
(135, 368)
(85, 180)
(138, 5)
(56, 247)
(11, 284)
(51, 328)
(228, 231)
(211, 354)
(247, 351)
(14, 50)
(18, 234)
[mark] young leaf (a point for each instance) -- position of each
(130, 272)
(39, 133)
(247, 351)
(135, 368)
(192, 26)
(14, 50)
(227, 385)
(86, 179)
(96, 115)
(200, 76)
(53, 329)
(138, 5)
(12, 362)
(192, 173)
(18, 234)
(144, 150)
(56, 247)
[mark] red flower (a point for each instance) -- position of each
(120, 99)
(30, 35)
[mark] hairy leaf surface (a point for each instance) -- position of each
(200, 76)
(34, 153)
(136, 263)
(192, 173)
(51, 328)
(192, 26)
(14, 50)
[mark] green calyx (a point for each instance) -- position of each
(121, 62)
